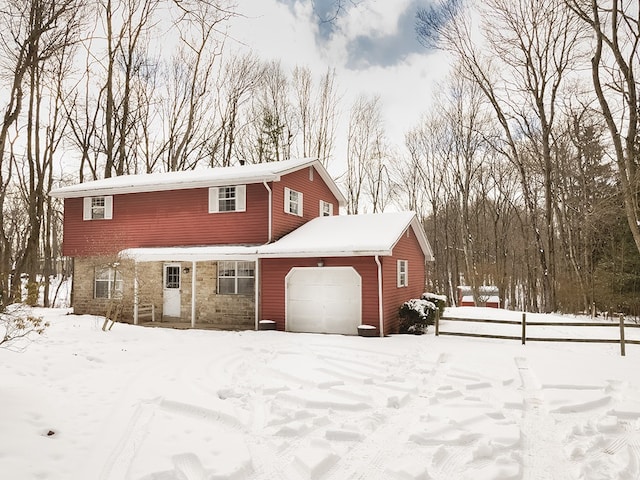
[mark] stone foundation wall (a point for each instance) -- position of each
(84, 302)
(213, 310)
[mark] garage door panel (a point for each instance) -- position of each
(324, 300)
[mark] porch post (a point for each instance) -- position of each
(136, 298)
(193, 294)
(256, 288)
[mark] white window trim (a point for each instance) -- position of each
(287, 202)
(322, 205)
(403, 273)
(87, 207)
(241, 199)
(235, 277)
(115, 285)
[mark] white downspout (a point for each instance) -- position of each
(380, 311)
(270, 215)
(193, 294)
(136, 295)
(256, 290)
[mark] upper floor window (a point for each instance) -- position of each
(107, 283)
(403, 273)
(230, 198)
(236, 277)
(292, 202)
(326, 209)
(98, 208)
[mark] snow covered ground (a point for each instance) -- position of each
(157, 404)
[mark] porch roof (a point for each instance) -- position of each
(191, 254)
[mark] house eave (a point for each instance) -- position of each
(79, 192)
(248, 253)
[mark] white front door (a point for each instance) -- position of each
(171, 290)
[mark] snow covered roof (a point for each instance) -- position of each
(347, 235)
(210, 177)
(334, 236)
(191, 254)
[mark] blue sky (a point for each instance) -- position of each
(372, 46)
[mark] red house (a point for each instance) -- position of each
(228, 247)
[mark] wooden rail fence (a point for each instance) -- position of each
(524, 324)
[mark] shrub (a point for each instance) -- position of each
(416, 315)
(440, 301)
(17, 324)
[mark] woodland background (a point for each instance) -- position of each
(524, 170)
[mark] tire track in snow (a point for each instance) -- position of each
(542, 454)
(369, 459)
(122, 457)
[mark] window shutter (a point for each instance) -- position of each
(86, 208)
(213, 200)
(300, 203)
(406, 273)
(241, 198)
(287, 200)
(108, 207)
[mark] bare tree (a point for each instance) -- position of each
(31, 33)
(316, 111)
(530, 48)
(365, 140)
(190, 82)
(615, 58)
(270, 131)
(239, 80)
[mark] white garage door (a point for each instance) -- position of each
(324, 300)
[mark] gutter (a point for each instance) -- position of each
(380, 311)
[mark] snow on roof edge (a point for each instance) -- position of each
(182, 180)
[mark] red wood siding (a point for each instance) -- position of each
(272, 285)
(169, 218)
(408, 249)
(312, 192)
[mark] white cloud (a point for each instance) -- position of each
(290, 33)
(373, 18)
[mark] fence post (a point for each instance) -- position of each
(437, 322)
(622, 346)
(524, 328)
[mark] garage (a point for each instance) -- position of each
(323, 300)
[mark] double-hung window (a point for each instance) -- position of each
(403, 273)
(326, 209)
(292, 202)
(107, 283)
(235, 277)
(98, 208)
(231, 198)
